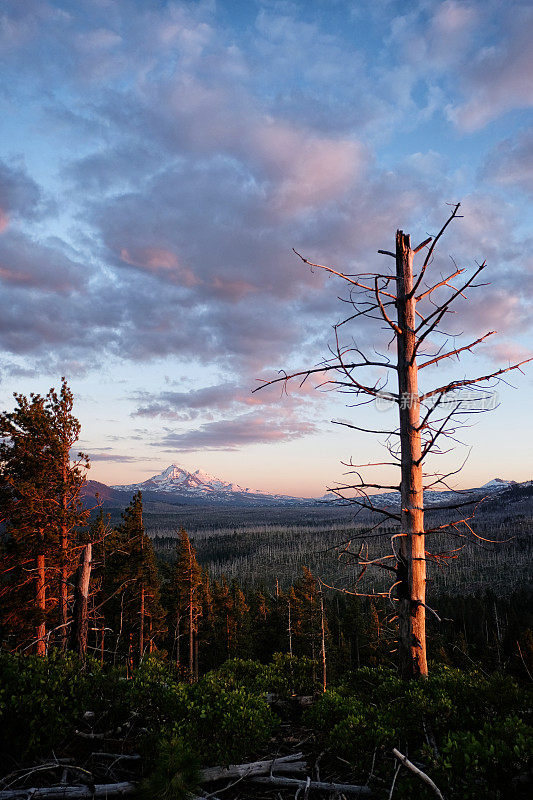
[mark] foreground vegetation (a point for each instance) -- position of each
(470, 731)
(118, 663)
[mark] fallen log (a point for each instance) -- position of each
(84, 735)
(285, 764)
(118, 756)
(307, 785)
(422, 775)
(71, 792)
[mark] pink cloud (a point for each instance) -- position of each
(310, 170)
(440, 42)
(499, 79)
(232, 290)
(510, 163)
(506, 351)
(4, 220)
(160, 261)
(452, 18)
(232, 434)
(296, 167)
(26, 263)
(493, 308)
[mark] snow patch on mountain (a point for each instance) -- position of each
(177, 479)
(178, 482)
(435, 496)
(497, 483)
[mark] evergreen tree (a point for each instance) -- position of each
(239, 622)
(131, 590)
(222, 613)
(186, 593)
(305, 615)
(42, 512)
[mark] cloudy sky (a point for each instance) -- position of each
(159, 161)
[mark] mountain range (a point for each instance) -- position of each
(176, 485)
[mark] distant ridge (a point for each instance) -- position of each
(176, 485)
(178, 482)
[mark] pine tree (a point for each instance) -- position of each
(222, 612)
(131, 591)
(42, 512)
(186, 586)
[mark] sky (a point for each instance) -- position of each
(159, 162)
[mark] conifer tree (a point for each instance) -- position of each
(240, 621)
(309, 628)
(222, 610)
(187, 590)
(131, 584)
(70, 512)
(41, 509)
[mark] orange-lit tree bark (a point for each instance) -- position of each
(411, 567)
(393, 298)
(35, 479)
(71, 478)
(186, 599)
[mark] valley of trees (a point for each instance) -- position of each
(161, 655)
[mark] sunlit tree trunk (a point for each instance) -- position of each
(323, 642)
(141, 610)
(63, 588)
(40, 602)
(411, 588)
(191, 627)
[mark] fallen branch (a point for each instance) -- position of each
(84, 735)
(422, 775)
(118, 756)
(286, 764)
(71, 792)
(293, 783)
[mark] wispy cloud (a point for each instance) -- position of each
(166, 157)
(236, 432)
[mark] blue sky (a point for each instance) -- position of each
(161, 159)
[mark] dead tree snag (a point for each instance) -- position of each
(414, 313)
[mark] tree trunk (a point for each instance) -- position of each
(63, 589)
(337, 789)
(40, 602)
(150, 635)
(81, 603)
(285, 764)
(141, 631)
(411, 577)
(102, 643)
(290, 628)
(323, 642)
(100, 790)
(141, 610)
(191, 629)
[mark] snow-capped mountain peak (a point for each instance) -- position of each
(497, 483)
(177, 478)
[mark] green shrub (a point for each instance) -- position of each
(498, 756)
(477, 721)
(284, 676)
(41, 700)
(225, 724)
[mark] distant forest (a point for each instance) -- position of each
(205, 584)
